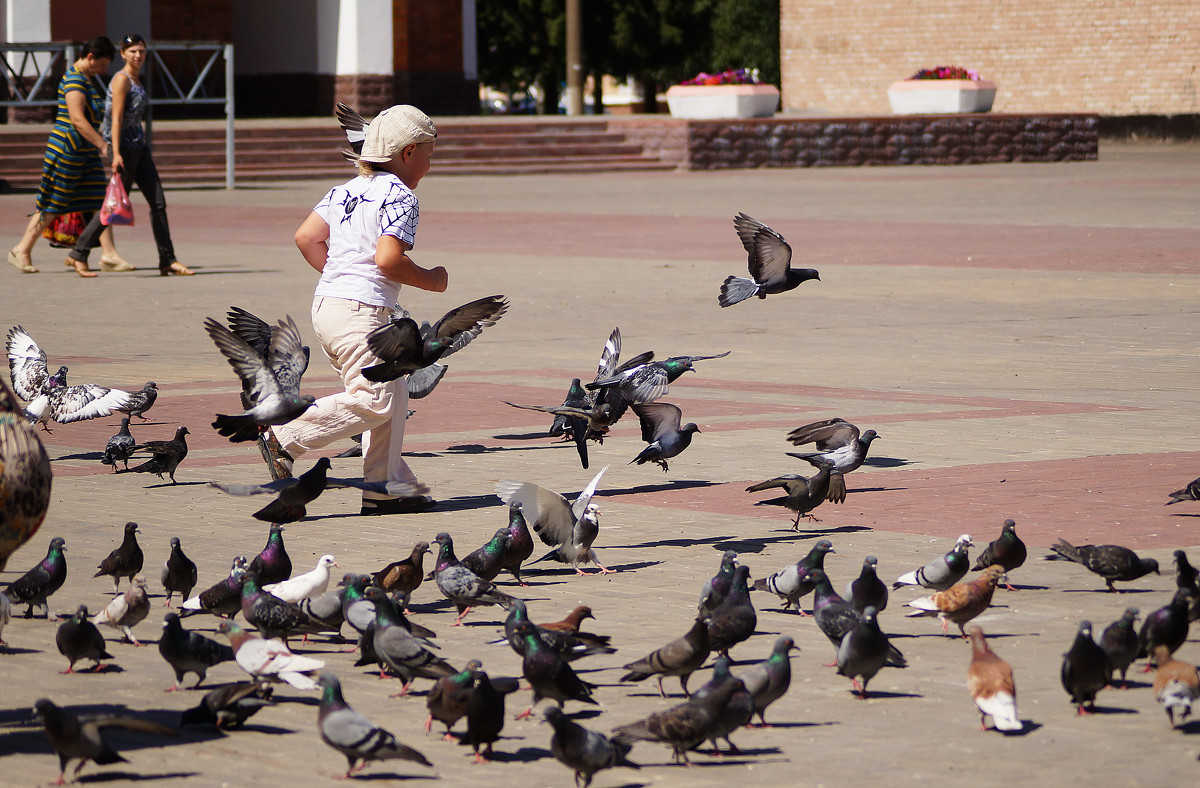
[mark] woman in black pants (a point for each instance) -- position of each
(126, 105)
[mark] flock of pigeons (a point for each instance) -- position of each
(278, 608)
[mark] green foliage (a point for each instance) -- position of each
(746, 35)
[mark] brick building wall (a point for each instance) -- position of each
(428, 57)
(1111, 57)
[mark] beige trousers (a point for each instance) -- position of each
(377, 410)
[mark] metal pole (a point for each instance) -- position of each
(229, 114)
(574, 59)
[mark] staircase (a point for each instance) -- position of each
(193, 152)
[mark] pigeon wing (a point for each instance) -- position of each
(547, 512)
(287, 358)
(26, 364)
(89, 401)
(353, 124)
(250, 367)
(255, 331)
(828, 434)
(255, 489)
(466, 322)
(610, 355)
(398, 338)
(647, 384)
(769, 256)
(658, 419)
(422, 382)
(581, 503)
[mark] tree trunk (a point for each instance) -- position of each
(649, 96)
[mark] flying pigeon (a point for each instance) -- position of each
(178, 572)
(126, 560)
(769, 258)
(960, 603)
(867, 590)
(79, 737)
(804, 494)
(660, 429)
(485, 713)
(404, 350)
(583, 751)
(990, 684)
(681, 657)
(165, 456)
(1085, 670)
(77, 638)
(127, 610)
(273, 564)
(864, 650)
(189, 652)
(838, 442)
(642, 383)
(272, 384)
(1112, 562)
(1189, 493)
(119, 447)
(1007, 550)
(406, 574)
(269, 659)
(258, 333)
(220, 599)
(1176, 686)
(140, 401)
(943, 571)
(717, 587)
(734, 619)
(229, 706)
(569, 526)
(767, 681)
(305, 586)
(24, 476)
(355, 127)
(460, 585)
(294, 494)
(352, 734)
(447, 701)
(39, 583)
(793, 582)
(1120, 642)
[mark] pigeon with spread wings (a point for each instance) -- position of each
(404, 349)
(49, 396)
(769, 259)
(568, 526)
(837, 440)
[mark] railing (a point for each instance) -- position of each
(168, 86)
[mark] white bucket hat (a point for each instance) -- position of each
(394, 129)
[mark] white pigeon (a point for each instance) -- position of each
(270, 659)
(49, 398)
(127, 610)
(5, 614)
(568, 526)
(305, 586)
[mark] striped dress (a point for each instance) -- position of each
(73, 176)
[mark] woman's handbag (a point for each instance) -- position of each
(116, 208)
(63, 229)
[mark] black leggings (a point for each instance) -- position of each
(139, 167)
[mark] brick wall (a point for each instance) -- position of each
(1110, 57)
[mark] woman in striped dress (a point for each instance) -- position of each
(73, 177)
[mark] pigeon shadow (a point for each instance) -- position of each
(360, 777)
(584, 714)
(272, 729)
(479, 448)
(1115, 710)
(615, 568)
(467, 503)
(676, 484)
(1027, 727)
(873, 489)
(523, 755)
(87, 455)
(886, 462)
(1029, 588)
(174, 484)
(1190, 728)
(18, 650)
(797, 724)
(1105, 590)
(107, 777)
(841, 529)
(713, 540)
(1131, 684)
(874, 694)
(528, 436)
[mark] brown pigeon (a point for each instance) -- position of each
(406, 574)
(1176, 685)
(990, 682)
(960, 603)
(24, 477)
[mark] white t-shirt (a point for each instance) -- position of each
(358, 212)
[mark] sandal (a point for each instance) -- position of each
(176, 269)
(115, 263)
(22, 262)
(81, 267)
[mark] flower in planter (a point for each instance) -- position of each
(734, 76)
(947, 72)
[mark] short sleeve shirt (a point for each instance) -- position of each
(358, 213)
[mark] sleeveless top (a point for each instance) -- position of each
(133, 135)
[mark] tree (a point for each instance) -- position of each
(745, 34)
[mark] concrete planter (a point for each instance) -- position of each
(941, 96)
(708, 102)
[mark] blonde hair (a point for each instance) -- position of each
(367, 169)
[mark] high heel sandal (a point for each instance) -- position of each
(176, 268)
(22, 262)
(81, 267)
(115, 263)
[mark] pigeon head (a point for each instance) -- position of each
(150, 385)
(305, 401)
(963, 542)
(171, 620)
(58, 378)
(331, 688)
(689, 427)
(175, 544)
(1085, 630)
(46, 710)
(81, 614)
(179, 433)
(824, 546)
(420, 548)
(993, 574)
(324, 464)
(326, 561)
(593, 510)
(57, 545)
(784, 644)
(1131, 613)
(131, 528)
(1151, 565)
(870, 561)
(869, 436)
(1010, 527)
(869, 613)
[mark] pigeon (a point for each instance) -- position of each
(767, 681)
(1189, 493)
(1112, 562)
(487, 560)
(838, 442)
(127, 610)
(272, 384)
(660, 429)
(49, 397)
(421, 382)
(294, 494)
(520, 542)
(1167, 626)
(447, 701)
(570, 645)
(403, 348)
(272, 616)
(269, 659)
(583, 751)
(140, 401)
(867, 590)
(569, 527)
(77, 638)
(229, 706)
(273, 564)
(24, 476)
(258, 333)
(327, 609)
(178, 572)
(836, 617)
(165, 456)
(397, 648)
(353, 735)
(960, 603)
(548, 674)
(737, 711)
(1085, 670)
(769, 258)
(863, 651)
(460, 585)
(221, 599)
(356, 608)
(990, 684)
(717, 587)
(1120, 642)
(1176, 686)
(804, 494)
(126, 560)
(681, 657)
(119, 447)
(573, 621)
(734, 619)
(189, 652)
(304, 586)
(355, 127)
(574, 427)
(943, 571)
(485, 713)
(1186, 577)
(642, 383)
(79, 737)
(404, 575)
(5, 615)
(794, 582)
(35, 586)
(1008, 551)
